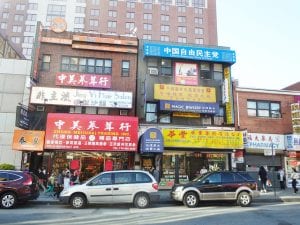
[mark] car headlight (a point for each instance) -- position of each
(179, 188)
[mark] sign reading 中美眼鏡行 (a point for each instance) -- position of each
(189, 52)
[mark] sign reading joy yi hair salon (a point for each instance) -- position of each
(91, 132)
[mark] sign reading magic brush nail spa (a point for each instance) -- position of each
(91, 132)
(195, 138)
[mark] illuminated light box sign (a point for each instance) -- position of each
(198, 107)
(91, 132)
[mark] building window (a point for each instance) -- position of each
(198, 11)
(182, 30)
(263, 109)
(54, 11)
(218, 71)
(198, 20)
(113, 3)
(78, 29)
(166, 2)
(6, 5)
(198, 3)
(80, 1)
(199, 41)
(166, 67)
(95, 12)
(147, 36)
(16, 40)
(129, 26)
(32, 6)
(28, 39)
(164, 38)
(27, 51)
(3, 26)
(94, 23)
(181, 39)
(165, 18)
(181, 19)
(205, 71)
(125, 68)
(130, 5)
(151, 112)
(19, 17)
(147, 16)
(148, 6)
(181, 9)
(79, 20)
(165, 7)
(30, 28)
(130, 15)
(199, 31)
(112, 24)
(164, 28)
(5, 16)
(46, 62)
(31, 17)
(112, 13)
(17, 29)
(95, 2)
(80, 9)
(20, 7)
(147, 26)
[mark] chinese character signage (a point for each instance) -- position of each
(197, 107)
(152, 141)
(295, 108)
(194, 138)
(184, 93)
(189, 52)
(292, 142)
(265, 141)
(22, 118)
(227, 96)
(83, 80)
(186, 73)
(28, 140)
(81, 97)
(91, 132)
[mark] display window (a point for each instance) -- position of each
(89, 164)
(189, 165)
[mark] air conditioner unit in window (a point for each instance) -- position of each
(123, 112)
(40, 108)
(153, 71)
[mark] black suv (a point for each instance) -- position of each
(17, 186)
(239, 186)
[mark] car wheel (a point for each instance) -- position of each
(78, 201)
(191, 199)
(141, 201)
(8, 200)
(244, 199)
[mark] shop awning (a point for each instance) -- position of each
(152, 141)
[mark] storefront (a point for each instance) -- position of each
(90, 144)
(187, 151)
(292, 159)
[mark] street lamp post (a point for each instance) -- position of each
(273, 172)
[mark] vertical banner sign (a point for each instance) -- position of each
(295, 109)
(229, 102)
(36, 51)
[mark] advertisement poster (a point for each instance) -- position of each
(186, 73)
(91, 132)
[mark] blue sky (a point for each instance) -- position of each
(265, 35)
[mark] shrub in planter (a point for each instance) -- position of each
(6, 166)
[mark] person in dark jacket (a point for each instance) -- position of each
(263, 177)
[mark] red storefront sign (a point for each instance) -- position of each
(83, 80)
(91, 132)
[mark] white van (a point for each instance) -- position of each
(123, 186)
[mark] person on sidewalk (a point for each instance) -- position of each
(262, 176)
(294, 177)
(281, 177)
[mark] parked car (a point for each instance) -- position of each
(17, 186)
(212, 186)
(122, 186)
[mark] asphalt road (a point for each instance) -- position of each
(164, 214)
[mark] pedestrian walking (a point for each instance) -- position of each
(294, 177)
(281, 177)
(263, 177)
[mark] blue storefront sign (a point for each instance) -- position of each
(196, 107)
(152, 141)
(189, 52)
(292, 142)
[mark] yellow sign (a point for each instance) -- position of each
(28, 140)
(186, 114)
(184, 93)
(203, 138)
(228, 104)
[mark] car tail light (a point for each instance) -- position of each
(155, 186)
(28, 181)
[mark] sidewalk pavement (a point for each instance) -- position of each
(286, 195)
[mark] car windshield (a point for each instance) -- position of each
(200, 177)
